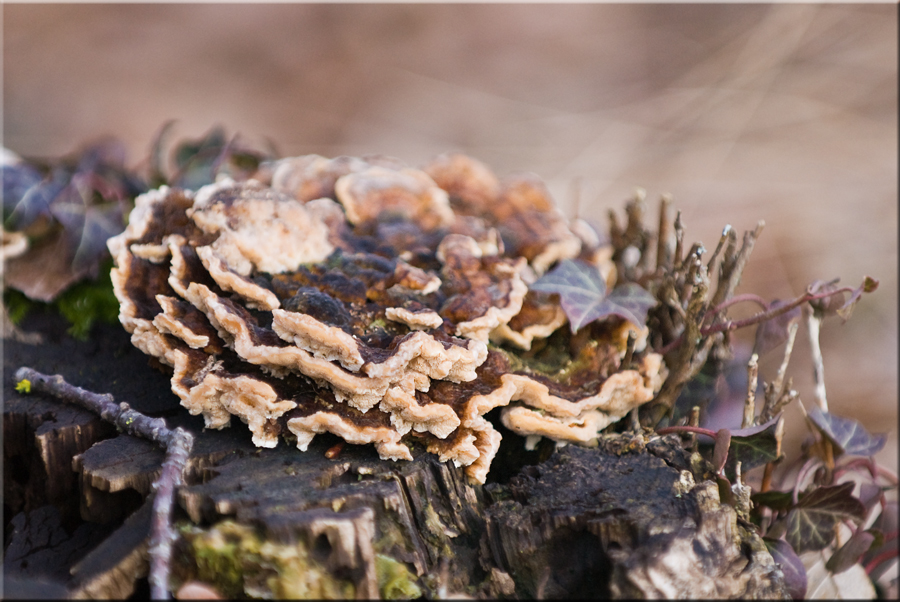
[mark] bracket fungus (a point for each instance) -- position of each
(380, 303)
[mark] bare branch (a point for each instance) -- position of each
(178, 444)
(663, 252)
(750, 400)
(813, 323)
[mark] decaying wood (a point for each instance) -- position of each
(112, 569)
(621, 522)
(610, 520)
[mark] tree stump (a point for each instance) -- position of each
(621, 520)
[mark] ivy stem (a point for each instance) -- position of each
(742, 298)
(884, 556)
(874, 469)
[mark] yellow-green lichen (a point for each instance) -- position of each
(395, 580)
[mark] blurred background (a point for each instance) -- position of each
(786, 113)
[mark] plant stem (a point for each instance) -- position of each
(750, 400)
(686, 429)
(813, 323)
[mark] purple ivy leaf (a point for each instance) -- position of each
(582, 295)
(18, 178)
(810, 524)
(826, 306)
(847, 434)
(850, 553)
(720, 451)
(35, 201)
(791, 565)
(772, 333)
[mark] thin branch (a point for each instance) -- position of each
(778, 383)
(663, 252)
(750, 400)
(813, 323)
(722, 240)
(695, 422)
(679, 240)
(731, 274)
(178, 444)
(681, 429)
(757, 318)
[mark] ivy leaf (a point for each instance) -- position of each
(850, 553)
(69, 213)
(826, 306)
(754, 446)
(772, 333)
(869, 285)
(582, 295)
(791, 566)
(24, 204)
(199, 162)
(848, 435)
(721, 449)
(810, 525)
(196, 160)
(776, 500)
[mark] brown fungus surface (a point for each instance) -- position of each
(377, 302)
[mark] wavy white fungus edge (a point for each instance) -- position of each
(139, 219)
(254, 296)
(419, 320)
(166, 323)
(523, 339)
(387, 441)
(435, 201)
(414, 362)
(275, 233)
(420, 351)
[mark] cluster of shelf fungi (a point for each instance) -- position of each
(378, 318)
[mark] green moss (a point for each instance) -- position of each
(83, 304)
(88, 302)
(17, 305)
(218, 555)
(395, 580)
(238, 562)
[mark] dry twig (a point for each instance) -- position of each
(177, 442)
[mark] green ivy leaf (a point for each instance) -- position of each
(776, 500)
(810, 525)
(754, 446)
(582, 295)
(848, 435)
